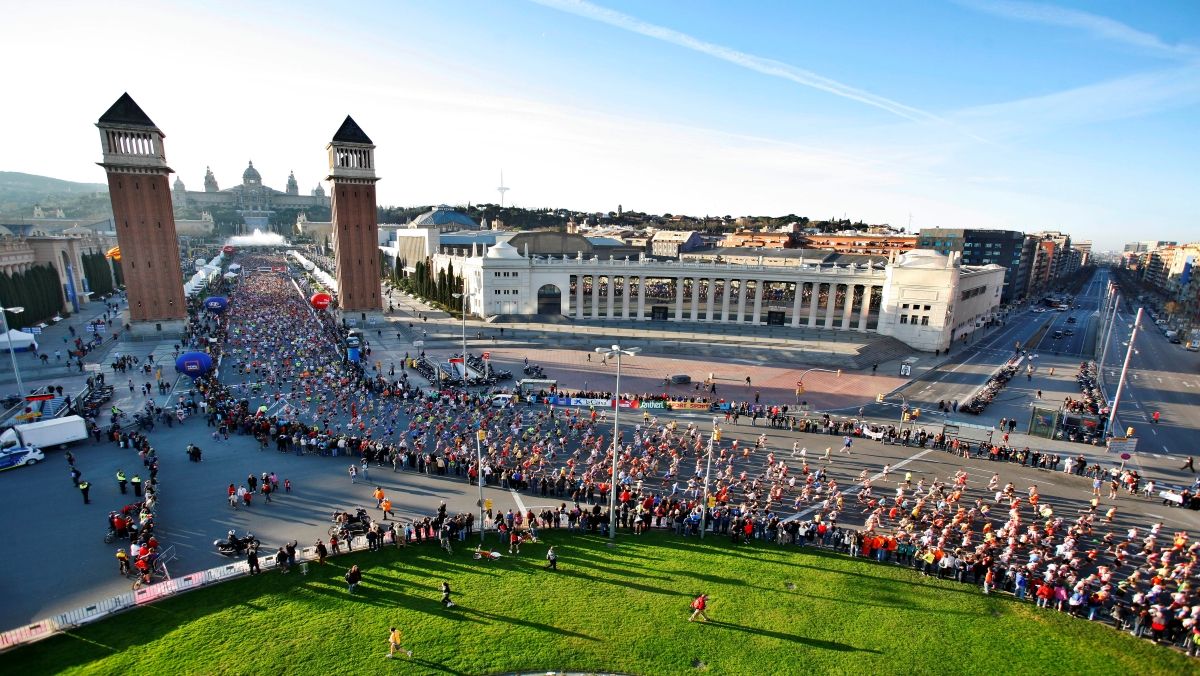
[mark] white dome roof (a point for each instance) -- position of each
(503, 250)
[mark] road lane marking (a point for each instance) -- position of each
(520, 502)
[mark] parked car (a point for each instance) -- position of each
(1070, 320)
(681, 379)
(19, 457)
(1068, 332)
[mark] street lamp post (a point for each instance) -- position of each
(1112, 319)
(11, 353)
(1112, 414)
(479, 435)
(615, 351)
(712, 439)
(463, 296)
(800, 380)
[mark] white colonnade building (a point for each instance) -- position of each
(922, 298)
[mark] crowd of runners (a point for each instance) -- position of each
(284, 380)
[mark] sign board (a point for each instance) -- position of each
(1125, 456)
(950, 430)
(905, 370)
(94, 368)
(487, 356)
(91, 328)
(1122, 445)
(418, 343)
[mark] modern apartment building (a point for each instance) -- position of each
(982, 247)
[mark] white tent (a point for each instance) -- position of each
(19, 340)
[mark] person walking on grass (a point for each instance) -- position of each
(446, 594)
(698, 608)
(394, 643)
(551, 559)
(353, 577)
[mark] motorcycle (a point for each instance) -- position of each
(235, 546)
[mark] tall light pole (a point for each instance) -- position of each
(11, 353)
(1112, 319)
(1112, 415)
(463, 296)
(713, 439)
(479, 435)
(615, 351)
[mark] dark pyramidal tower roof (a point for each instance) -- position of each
(349, 132)
(127, 111)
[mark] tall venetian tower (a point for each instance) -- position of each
(355, 230)
(141, 202)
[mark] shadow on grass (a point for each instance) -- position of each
(813, 642)
(526, 623)
(799, 552)
(620, 583)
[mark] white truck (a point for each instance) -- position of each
(45, 433)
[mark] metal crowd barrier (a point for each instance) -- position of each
(78, 617)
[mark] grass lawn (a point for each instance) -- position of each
(621, 610)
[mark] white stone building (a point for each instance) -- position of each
(922, 298)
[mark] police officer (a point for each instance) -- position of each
(84, 487)
(122, 481)
(137, 485)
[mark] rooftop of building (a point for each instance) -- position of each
(443, 215)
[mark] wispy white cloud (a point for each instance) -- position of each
(765, 66)
(1100, 27)
(1116, 99)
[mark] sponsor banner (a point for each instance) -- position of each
(652, 404)
(598, 403)
(688, 406)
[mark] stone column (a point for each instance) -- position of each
(848, 308)
(796, 304)
(595, 296)
(678, 299)
(695, 313)
(578, 296)
(830, 305)
(711, 296)
(641, 306)
(756, 318)
(868, 290)
(741, 304)
(612, 291)
(625, 297)
(814, 297)
(724, 300)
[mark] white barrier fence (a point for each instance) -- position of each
(151, 593)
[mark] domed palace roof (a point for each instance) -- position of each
(442, 216)
(251, 175)
(503, 250)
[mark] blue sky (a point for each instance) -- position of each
(961, 113)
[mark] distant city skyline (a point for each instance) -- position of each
(968, 113)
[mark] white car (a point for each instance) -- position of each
(19, 457)
(502, 400)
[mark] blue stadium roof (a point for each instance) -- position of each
(443, 215)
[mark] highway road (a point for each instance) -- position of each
(1162, 377)
(1031, 327)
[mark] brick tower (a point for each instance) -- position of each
(141, 203)
(355, 230)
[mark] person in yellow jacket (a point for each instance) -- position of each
(394, 644)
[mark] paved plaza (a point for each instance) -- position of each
(193, 510)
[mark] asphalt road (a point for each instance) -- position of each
(1162, 377)
(66, 563)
